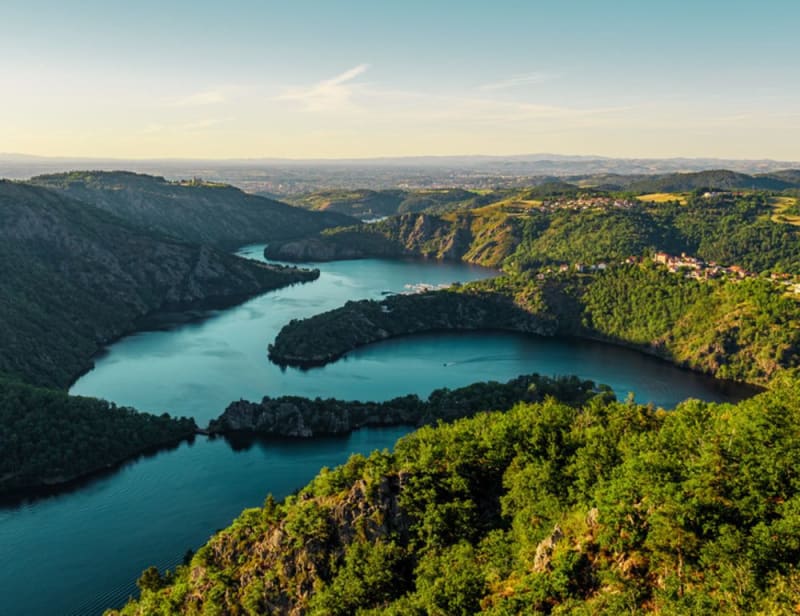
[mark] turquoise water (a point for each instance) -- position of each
(79, 550)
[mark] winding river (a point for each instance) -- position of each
(79, 550)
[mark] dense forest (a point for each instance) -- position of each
(551, 508)
(49, 437)
(745, 330)
(326, 336)
(299, 417)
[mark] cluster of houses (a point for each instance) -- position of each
(692, 267)
(689, 266)
(588, 203)
(699, 269)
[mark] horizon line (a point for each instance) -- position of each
(44, 157)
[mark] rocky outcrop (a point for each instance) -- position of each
(292, 416)
(418, 235)
(325, 337)
(304, 417)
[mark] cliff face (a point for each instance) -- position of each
(73, 278)
(305, 418)
(325, 337)
(477, 239)
(218, 215)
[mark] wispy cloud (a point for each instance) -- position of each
(479, 109)
(328, 94)
(524, 79)
(198, 99)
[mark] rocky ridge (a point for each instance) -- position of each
(297, 417)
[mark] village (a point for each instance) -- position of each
(589, 202)
(686, 265)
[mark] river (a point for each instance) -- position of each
(79, 550)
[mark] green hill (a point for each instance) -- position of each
(366, 204)
(196, 211)
(49, 438)
(745, 330)
(719, 179)
(527, 230)
(599, 508)
(73, 278)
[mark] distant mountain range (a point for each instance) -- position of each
(277, 176)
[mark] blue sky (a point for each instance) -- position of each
(348, 79)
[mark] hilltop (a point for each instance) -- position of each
(196, 211)
(367, 204)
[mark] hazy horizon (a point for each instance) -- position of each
(530, 156)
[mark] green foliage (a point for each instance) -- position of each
(49, 437)
(728, 228)
(550, 508)
(150, 580)
(371, 574)
(745, 330)
(640, 305)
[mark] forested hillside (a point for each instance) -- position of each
(196, 211)
(298, 417)
(73, 277)
(605, 507)
(48, 437)
(367, 204)
(524, 232)
(745, 330)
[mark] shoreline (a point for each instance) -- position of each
(56, 486)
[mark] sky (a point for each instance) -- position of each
(350, 79)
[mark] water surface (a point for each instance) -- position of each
(79, 550)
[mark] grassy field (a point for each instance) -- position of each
(779, 207)
(508, 205)
(663, 198)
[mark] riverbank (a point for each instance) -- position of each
(50, 438)
(324, 338)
